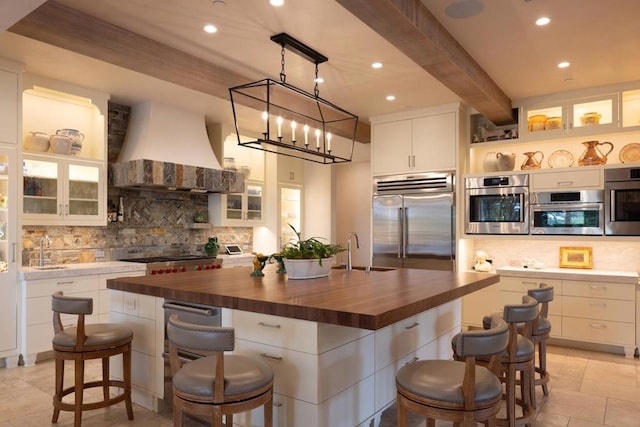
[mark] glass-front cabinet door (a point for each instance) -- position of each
(8, 262)
(60, 190)
(631, 108)
(245, 208)
(593, 115)
(290, 212)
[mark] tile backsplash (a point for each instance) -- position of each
(155, 223)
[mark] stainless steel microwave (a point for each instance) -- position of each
(578, 212)
(497, 204)
(622, 201)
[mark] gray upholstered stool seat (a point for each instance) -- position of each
(86, 342)
(241, 374)
(217, 385)
(98, 335)
(451, 390)
(440, 380)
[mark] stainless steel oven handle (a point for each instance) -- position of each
(189, 309)
(612, 206)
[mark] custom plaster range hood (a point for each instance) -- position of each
(167, 148)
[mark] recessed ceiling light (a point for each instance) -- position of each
(564, 64)
(540, 22)
(276, 2)
(391, 97)
(210, 28)
(464, 8)
(376, 65)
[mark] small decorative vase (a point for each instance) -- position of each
(258, 265)
(211, 247)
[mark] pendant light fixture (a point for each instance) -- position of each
(296, 123)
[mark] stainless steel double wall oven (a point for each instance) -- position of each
(622, 201)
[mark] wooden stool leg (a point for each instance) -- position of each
(126, 377)
(78, 390)
(268, 412)
(105, 378)
(511, 395)
(544, 375)
(401, 412)
(177, 413)
(59, 386)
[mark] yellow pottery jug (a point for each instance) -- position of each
(592, 155)
(531, 162)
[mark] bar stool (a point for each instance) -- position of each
(217, 385)
(87, 342)
(461, 392)
(540, 334)
(518, 357)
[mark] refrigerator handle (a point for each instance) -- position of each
(405, 232)
(400, 234)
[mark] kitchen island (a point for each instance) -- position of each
(335, 343)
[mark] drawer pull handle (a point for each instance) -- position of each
(529, 283)
(269, 325)
(268, 356)
(415, 359)
(598, 325)
(412, 326)
(277, 405)
(564, 183)
(598, 304)
(597, 287)
(68, 282)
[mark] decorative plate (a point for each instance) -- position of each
(560, 159)
(630, 153)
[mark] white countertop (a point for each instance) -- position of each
(591, 275)
(80, 269)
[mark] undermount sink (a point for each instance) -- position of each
(362, 267)
(50, 267)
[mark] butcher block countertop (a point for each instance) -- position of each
(359, 299)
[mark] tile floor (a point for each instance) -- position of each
(587, 389)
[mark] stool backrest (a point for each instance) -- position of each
(213, 340)
(544, 295)
(484, 342)
(71, 305)
(524, 314)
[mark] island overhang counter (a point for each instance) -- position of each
(335, 343)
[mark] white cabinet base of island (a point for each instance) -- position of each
(325, 375)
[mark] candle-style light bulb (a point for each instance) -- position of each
(293, 130)
(329, 141)
(318, 138)
(279, 122)
(265, 116)
(306, 134)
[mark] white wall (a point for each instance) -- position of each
(317, 205)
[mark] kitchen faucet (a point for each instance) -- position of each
(44, 241)
(352, 234)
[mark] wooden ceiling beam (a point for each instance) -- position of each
(73, 30)
(411, 28)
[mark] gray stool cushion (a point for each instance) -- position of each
(241, 374)
(98, 334)
(441, 380)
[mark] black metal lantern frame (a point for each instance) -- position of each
(296, 123)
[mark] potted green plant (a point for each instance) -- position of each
(308, 258)
(212, 246)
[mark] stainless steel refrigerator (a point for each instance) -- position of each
(414, 221)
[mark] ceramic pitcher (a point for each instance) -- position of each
(592, 155)
(531, 162)
(505, 161)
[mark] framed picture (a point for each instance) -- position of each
(576, 257)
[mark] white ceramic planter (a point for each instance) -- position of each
(307, 268)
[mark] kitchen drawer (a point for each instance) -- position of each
(385, 380)
(40, 335)
(68, 285)
(144, 336)
(523, 284)
(591, 178)
(293, 334)
(599, 309)
(556, 325)
(600, 331)
(353, 360)
(621, 291)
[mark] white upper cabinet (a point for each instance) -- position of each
(426, 140)
(9, 81)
